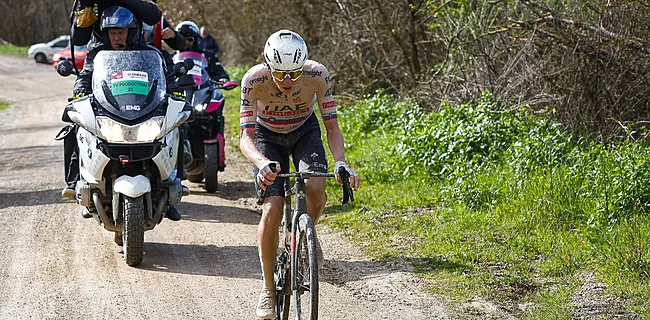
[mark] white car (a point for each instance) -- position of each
(43, 52)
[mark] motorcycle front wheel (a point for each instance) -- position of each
(211, 167)
(133, 230)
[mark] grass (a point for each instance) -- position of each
(13, 50)
(498, 204)
(4, 105)
(231, 110)
(495, 204)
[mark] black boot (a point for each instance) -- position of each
(173, 213)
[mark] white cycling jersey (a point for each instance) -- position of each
(262, 102)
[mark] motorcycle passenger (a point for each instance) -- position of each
(190, 31)
(208, 42)
(277, 120)
(172, 38)
(124, 31)
(87, 30)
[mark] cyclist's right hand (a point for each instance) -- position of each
(266, 175)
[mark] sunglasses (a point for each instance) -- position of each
(281, 75)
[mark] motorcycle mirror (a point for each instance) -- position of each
(64, 68)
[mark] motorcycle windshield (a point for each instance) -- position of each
(129, 84)
(198, 72)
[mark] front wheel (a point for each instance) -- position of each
(282, 285)
(211, 167)
(40, 58)
(305, 271)
(133, 230)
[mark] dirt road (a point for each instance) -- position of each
(56, 265)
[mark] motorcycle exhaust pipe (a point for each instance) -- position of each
(108, 222)
(159, 210)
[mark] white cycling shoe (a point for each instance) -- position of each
(266, 304)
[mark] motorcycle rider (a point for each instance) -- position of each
(124, 32)
(277, 120)
(87, 30)
(190, 31)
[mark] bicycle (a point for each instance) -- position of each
(297, 256)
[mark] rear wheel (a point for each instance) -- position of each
(133, 230)
(40, 58)
(305, 271)
(211, 167)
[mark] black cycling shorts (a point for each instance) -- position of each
(303, 144)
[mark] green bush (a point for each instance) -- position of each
(499, 185)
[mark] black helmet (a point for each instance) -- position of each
(119, 17)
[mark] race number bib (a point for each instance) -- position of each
(195, 72)
(129, 82)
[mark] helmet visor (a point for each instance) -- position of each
(281, 75)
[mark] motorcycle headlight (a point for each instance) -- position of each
(114, 131)
(200, 107)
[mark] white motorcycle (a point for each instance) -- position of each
(128, 139)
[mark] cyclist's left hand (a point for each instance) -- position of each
(354, 178)
(265, 175)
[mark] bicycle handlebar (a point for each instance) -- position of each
(348, 195)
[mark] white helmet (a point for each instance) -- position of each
(188, 24)
(285, 51)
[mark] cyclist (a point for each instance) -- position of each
(277, 119)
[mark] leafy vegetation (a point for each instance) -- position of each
(13, 50)
(497, 201)
(4, 105)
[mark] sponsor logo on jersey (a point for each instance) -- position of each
(286, 110)
(244, 114)
(245, 102)
(329, 104)
(313, 73)
(258, 80)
